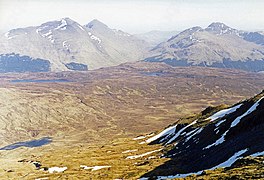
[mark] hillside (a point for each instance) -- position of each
(215, 138)
(215, 46)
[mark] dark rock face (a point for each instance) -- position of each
(209, 142)
(77, 66)
(254, 66)
(17, 63)
(255, 37)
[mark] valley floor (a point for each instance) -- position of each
(93, 117)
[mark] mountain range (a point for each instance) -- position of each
(66, 45)
(217, 137)
(215, 46)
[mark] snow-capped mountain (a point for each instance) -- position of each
(217, 45)
(217, 137)
(65, 41)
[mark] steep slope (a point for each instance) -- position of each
(215, 138)
(66, 42)
(217, 46)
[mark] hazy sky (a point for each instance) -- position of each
(135, 16)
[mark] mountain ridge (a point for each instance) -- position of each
(218, 45)
(66, 41)
(205, 142)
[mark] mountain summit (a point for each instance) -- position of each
(96, 24)
(216, 46)
(220, 28)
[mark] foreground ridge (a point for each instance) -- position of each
(214, 139)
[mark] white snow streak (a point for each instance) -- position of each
(94, 168)
(62, 25)
(93, 37)
(227, 163)
(168, 131)
(179, 132)
(140, 137)
(178, 175)
(258, 154)
(234, 123)
(128, 151)
(220, 122)
(142, 155)
(218, 141)
(7, 34)
(253, 108)
(231, 160)
(223, 113)
(81, 27)
(198, 130)
(56, 169)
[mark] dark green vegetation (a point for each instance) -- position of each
(77, 66)
(17, 63)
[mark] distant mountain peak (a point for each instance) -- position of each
(67, 20)
(96, 23)
(220, 28)
(217, 25)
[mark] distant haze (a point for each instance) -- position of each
(135, 16)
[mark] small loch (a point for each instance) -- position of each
(40, 81)
(31, 144)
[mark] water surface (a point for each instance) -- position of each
(30, 144)
(39, 80)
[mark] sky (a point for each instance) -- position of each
(135, 16)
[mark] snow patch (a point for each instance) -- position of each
(218, 141)
(223, 113)
(178, 175)
(47, 34)
(81, 27)
(227, 163)
(220, 122)
(231, 160)
(166, 132)
(129, 151)
(44, 178)
(140, 137)
(142, 155)
(199, 130)
(40, 29)
(179, 132)
(57, 169)
(93, 37)
(94, 168)
(143, 142)
(250, 110)
(7, 34)
(258, 154)
(63, 25)
(65, 45)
